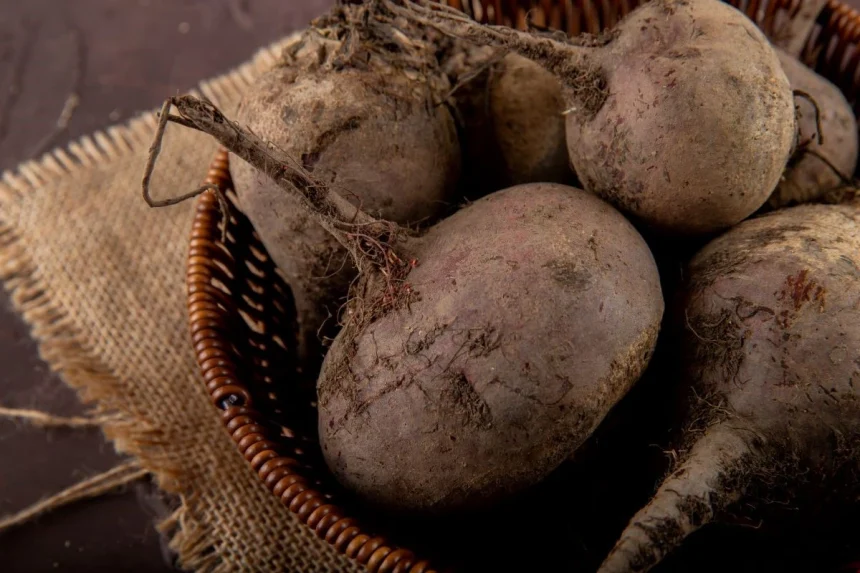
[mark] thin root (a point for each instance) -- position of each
(848, 188)
(811, 100)
(476, 73)
(846, 180)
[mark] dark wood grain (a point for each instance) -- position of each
(120, 57)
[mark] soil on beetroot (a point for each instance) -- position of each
(571, 520)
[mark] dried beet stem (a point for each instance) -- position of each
(366, 238)
(700, 488)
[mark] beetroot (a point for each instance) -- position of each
(771, 350)
(537, 308)
(362, 117)
(664, 120)
(511, 113)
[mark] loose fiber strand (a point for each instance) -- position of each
(89, 488)
(47, 420)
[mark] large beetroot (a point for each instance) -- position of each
(664, 119)
(537, 308)
(771, 323)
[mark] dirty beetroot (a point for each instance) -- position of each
(771, 343)
(362, 119)
(537, 308)
(663, 119)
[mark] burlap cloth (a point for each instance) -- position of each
(100, 278)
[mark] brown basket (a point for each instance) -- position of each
(242, 316)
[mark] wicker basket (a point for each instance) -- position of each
(242, 316)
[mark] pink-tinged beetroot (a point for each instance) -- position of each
(664, 119)
(537, 308)
(771, 350)
(363, 118)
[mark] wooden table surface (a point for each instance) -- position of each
(120, 56)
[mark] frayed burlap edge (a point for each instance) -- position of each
(64, 348)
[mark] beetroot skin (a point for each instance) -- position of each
(771, 324)
(538, 307)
